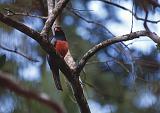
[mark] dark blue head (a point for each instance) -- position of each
(59, 34)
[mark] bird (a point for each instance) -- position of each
(61, 46)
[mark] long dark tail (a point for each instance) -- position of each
(55, 72)
(57, 81)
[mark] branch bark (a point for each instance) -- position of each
(21, 27)
(50, 5)
(7, 82)
(52, 17)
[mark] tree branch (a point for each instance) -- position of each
(45, 44)
(52, 17)
(8, 82)
(50, 5)
(108, 42)
(21, 27)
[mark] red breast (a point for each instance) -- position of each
(61, 47)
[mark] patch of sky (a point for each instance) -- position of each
(129, 81)
(143, 44)
(68, 20)
(7, 1)
(78, 5)
(95, 107)
(30, 73)
(113, 51)
(145, 99)
(7, 104)
(83, 32)
(97, 9)
(103, 57)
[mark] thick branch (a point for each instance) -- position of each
(57, 22)
(79, 94)
(7, 82)
(51, 18)
(50, 5)
(49, 48)
(108, 42)
(21, 27)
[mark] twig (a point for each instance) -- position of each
(145, 22)
(19, 53)
(8, 82)
(98, 91)
(132, 17)
(79, 10)
(12, 13)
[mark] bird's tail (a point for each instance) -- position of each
(55, 72)
(57, 81)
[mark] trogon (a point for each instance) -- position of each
(61, 46)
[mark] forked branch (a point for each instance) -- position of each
(109, 42)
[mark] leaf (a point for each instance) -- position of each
(2, 60)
